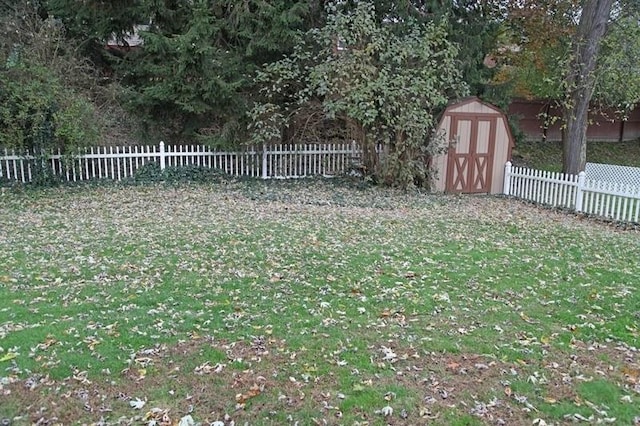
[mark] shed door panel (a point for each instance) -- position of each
(463, 136)
(481, 173)
(471, 157)
(459, 170)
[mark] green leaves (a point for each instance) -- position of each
(50, 95)
(199, 58)
(539, 41)
(388, 79)
(38, 112)
(619, 65)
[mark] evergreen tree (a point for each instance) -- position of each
(195, 70)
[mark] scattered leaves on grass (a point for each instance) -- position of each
(311, 302)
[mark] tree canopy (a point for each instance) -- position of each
(536, 45)
(195, 73)
(580, 53)
(195, 77)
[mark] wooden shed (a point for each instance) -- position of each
(480, 143)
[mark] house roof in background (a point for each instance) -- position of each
(130, 39)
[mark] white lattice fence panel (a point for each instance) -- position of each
(606, 198)
(620, 175)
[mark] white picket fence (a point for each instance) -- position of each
(611, 200)
(118, 163)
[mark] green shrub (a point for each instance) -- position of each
(150, 172)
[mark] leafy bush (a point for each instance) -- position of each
(42, 174)
(150, 172)
(386, 81)
(38, 113)
(193, 174)
(50, 96)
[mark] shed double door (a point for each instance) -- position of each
(470, 157)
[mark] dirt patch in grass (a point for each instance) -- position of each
(253, 382)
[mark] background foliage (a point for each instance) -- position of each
(535, 45)
(386, 83)
(194, 79)
(52, 96)
(38, 109)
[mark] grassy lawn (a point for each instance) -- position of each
(548, 155)
(312, 303)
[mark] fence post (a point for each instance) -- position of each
(162, 156)
(506, 189)
(580, 191)
(264, 161)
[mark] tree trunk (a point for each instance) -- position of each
(581, 82)
(370, 158)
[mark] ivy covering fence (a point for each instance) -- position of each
(122, 162)
(607, 191)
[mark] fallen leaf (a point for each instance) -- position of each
(386, 411)
(137, 403)
(526, 318)
(142, 373)
(453, 366)
(254, 391)
(8, 356)
(186, 421)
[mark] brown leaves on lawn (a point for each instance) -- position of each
(311, 303)
(255, 390)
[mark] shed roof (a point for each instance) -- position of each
(458, 103)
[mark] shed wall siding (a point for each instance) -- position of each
(472, 108)
(501, 156)
(439, 163)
